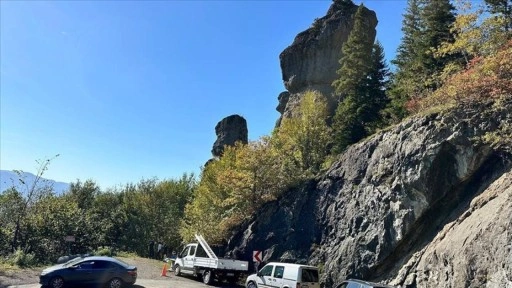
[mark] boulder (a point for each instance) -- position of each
(229, 130)
(311, 61)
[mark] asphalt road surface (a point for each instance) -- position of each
(166, 282)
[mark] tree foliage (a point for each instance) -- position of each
(361, 86)
(426, 24)
(126, 218)
(303, 140)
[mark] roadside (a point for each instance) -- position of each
(149, 275)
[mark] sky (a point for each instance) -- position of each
(132, 90)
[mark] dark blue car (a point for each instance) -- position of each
(89, 271)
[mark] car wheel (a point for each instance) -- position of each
(115, 283)
(56, 282)
(207, 277)
(177, 270)
(251, 285)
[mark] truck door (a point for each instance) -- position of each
(189, 259)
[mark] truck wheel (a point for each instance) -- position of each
(251, 285)
(207, 277)
(177, 270)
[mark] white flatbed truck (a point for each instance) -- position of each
(199, 260)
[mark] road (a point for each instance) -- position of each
(166, 282)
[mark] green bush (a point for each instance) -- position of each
(21, 259)
(105, 251)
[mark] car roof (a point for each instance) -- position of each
(369, 283)
(106, 258)
(291, 264)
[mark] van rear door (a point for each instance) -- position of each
(309, 278)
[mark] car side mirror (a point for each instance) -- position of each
(259, 274)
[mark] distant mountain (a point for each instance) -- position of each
(10, 178)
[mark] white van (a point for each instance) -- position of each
(284, 275)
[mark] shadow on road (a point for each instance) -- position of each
(214, 284)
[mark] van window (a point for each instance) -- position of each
(267, 270)
(309, 275)
(278, 272)
(192, 251)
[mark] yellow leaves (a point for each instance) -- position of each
(234, 186)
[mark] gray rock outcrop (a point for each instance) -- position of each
(229, 130)
(311, 61)
(421, 205)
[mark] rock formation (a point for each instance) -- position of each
(311, 61)
(423, 204)
(229, 131)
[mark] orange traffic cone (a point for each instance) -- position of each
(164, 270)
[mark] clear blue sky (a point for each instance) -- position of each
(130, 90)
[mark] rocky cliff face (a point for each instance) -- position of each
(423, 204)
(229, 130)
(311, 61)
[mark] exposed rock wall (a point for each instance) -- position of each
(229, 130)
(475, 250)
(375, 211)
(311, 61)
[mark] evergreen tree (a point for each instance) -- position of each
(503, 8)
(355, 60)
(348, 126)
(438, 17)
(375, 95)
(426, 25)
(408, 80)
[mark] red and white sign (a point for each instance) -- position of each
(256, 256)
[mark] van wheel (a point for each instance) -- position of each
(252, 285)
(177, 270)
(207, 277)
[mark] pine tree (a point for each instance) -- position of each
(355, 61)
(375, 98)
(408, 80)
(426, 25)
(348, 124)
(438, 18)
(503, 8)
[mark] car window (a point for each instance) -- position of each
(309, 275)
(267, 270)
(278, 272)
(192, 251)
(85, 265)
(103, 265)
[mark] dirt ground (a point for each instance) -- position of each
(147, 269)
